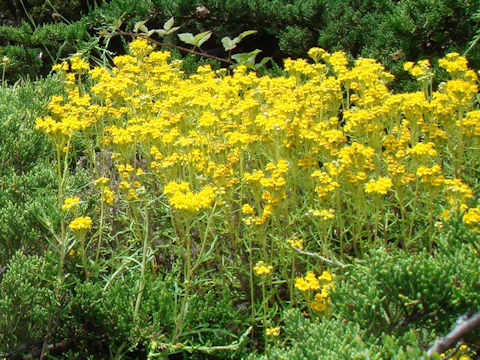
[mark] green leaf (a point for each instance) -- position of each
(187, 38)
(163, 32)
(168, 24)
(140, 26)
(262, 62)
(202, 37)
(246, 58)
(228, 44)
(116, 23)
(245, 34)
(143, 29)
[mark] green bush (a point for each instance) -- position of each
(389, 292)
(31, 52)
(391, 304)
(43, 11)
(103, 319)
(397, 31)
(27, 301)
(28, 184)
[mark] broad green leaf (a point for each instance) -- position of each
(139, 25)
(163, 32)
(262, 62)
(187, 38)
(168, 24)
(246, 58)
(228, 44)
(202, 37)
(173, 29)
(245, 34)
(143, 28)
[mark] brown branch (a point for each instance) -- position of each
(448, 341)
(164, 44)
(415, 316)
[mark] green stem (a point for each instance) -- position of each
(250, 274)
(340, 222)
(264, 306)
(100, 235)
(141, 285)
(84, 260)
(187, 282)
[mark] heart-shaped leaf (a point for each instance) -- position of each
(228, 44)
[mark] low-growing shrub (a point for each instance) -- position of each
(391, 304)
(28, 303)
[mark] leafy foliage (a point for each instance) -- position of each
(389, 292)
(391, 304)
(27, 301)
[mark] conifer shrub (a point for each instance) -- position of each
(27, 301)
(391, 304)
(27, 187)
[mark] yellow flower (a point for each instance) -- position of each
(301, 284)
(108, 196)
(326, 276)
(472, 216)
(379, 186)
(77, 63)
(324, 214)
(102, 181)
(70, 203)
(248, 210)
(81, 223)
(273, 331)
(295, 243)
(261, 269)
(318, 305)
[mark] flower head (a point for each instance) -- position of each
(81, 223)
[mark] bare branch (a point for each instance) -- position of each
(448, 341)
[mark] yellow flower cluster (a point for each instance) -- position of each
(421, 69)
(472, 216)
(310, 282)
(273, 331)
(261, 269)
(295, 242)
(81, 223)
(181, 198)
(265, 149)
(379, 186)
(70, 203)
(324, 214)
